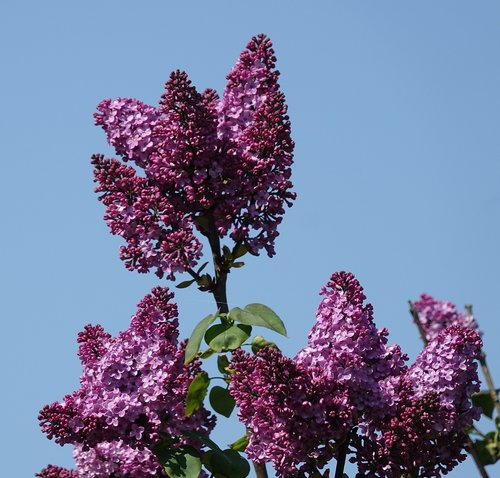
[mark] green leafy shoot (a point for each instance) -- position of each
(260, 342)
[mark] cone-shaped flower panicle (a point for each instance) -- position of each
(292, 418)
(425, 432)
(199, 160)
(133, 387)
(345, 346)
(435, 316)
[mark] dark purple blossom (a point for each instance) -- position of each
(52, 471)
(424, 432)
(294, 419)
(201, 160)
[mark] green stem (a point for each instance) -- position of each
(417, 322)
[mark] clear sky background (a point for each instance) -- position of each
(395, 108)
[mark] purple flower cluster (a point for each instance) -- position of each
(424, 430)
(345, 346)
(435, 316)
(292, 416)
(221, 166)
(348, 384)
(133, 387)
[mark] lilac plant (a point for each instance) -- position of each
(198, 168)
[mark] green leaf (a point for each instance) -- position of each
(240, 444)
(488, 449)
(208, 353)
(260, 342)
(222, 363)
(226, 337)
(195, 340)
(182, 462)
(196, 393)
(237, 264)
(239, 250)
(226, 252)
(222, 401)
(185, 284)
(267, 318)
(226, 464)
(201, 268)
(485, 402)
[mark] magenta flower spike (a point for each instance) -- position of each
(292, 417)
(221, 166)
(435, 316)
(345, 346)
(424, 431)
(132, 389)
(299, 410)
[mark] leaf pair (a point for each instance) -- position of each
(230, 336)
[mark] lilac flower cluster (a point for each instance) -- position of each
(424, 432)
(435, 316)
(132, 389)
(345, 346)
(221, 166)
(348, 384)
(292, 416)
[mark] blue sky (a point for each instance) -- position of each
(395, 108)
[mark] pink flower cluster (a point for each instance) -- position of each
(221, 166)
(424, 430)
(132, 390)
(348, 384)
(435, 316)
